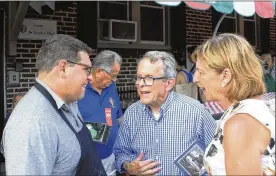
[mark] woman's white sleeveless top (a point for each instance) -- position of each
(214, 155)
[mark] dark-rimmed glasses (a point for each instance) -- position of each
(87, 68)
(147, 80)
(113, 78)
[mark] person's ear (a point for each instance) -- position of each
(226, 77)
(170, 83)
(61, 68)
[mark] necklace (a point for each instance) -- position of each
(232, 107)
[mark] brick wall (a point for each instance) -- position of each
(125, 85)
(272, 36)
(198, 26)
(198, 29)
(128, 70)
(27, 49)
(66, 24)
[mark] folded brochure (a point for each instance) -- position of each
(190, 162)
(99, 131)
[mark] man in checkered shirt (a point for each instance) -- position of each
(163, 124)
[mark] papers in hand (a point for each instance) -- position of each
(190, 162)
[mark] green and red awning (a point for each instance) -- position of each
(265, 9)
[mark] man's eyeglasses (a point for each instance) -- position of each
(113, 78)
(147, 80)
(86, 67)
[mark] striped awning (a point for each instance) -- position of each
(265, 9)
(36, 5)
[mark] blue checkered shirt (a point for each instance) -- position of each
(183, 120)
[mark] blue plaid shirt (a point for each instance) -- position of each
(183, 120)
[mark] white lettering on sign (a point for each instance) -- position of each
(37, 29)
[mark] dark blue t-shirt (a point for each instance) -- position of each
(93, 108)
(190, 75)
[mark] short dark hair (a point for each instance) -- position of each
(59, 47)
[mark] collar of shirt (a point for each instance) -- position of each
(57, 99)
(164, 107)
(104, 91)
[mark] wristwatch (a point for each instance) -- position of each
(124, 171)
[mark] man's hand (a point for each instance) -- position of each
(139, 167)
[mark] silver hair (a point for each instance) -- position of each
(106, 59)
(59, 47)
(168, 60)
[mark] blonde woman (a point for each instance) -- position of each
(228, 71)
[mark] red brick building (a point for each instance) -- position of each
(180, 26)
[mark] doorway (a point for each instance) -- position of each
(2, 70)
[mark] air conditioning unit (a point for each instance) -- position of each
(118, 30)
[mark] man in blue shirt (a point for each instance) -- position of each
(101, 105)
(163, 124)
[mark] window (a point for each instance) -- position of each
(234, 23)
(113, 10)
(228, 24)
(152, 22)
(250, 27)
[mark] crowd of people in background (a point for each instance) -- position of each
(71, 123)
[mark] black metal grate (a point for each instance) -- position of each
(128, 95)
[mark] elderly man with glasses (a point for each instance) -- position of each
(100, 107)
(163, 124)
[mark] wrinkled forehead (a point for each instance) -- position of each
(201, 64)
(266, 57)
(146, 61)
(154, 61)
(150, 65)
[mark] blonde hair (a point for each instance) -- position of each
(235, 53)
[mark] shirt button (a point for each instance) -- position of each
(156, 140)
(156, 157)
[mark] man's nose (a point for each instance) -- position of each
(141, 83)
(89, 77)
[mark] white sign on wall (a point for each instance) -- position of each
(37, 29)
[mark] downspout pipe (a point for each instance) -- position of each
(218, 24)
(4, 62)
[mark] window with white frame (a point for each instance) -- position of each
(152, 20)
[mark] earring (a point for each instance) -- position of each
(224, 82)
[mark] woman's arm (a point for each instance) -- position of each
(245, 139)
